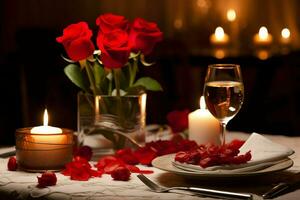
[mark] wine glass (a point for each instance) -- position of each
(224, 93)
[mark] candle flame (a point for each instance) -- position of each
(231, 15)
(219, 32)
(45, 117)
(263, 33)
(202, 103)
(285, 33)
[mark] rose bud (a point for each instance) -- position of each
(121, 174)
(12, 164)
(47, 179)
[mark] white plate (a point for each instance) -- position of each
(165, 163)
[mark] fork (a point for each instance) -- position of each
(202, 191)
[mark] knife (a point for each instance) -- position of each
(280, 188)
(7, 152)
(277, 189)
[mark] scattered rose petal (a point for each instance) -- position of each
(145, 155)
(127, 156)
(80, 169)
(104, 161)
(146, 172)
(47, 179)
(12, 164)
(121, 173)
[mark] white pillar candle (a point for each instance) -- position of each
(203, 127)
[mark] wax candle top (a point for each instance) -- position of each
(45, 129)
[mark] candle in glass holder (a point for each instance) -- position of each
(263, 37)
(219, 37)
(203, 127)
(44, 147)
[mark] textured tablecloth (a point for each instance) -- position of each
(22, 185)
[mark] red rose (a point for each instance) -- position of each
(114, 48)
(84, 152)
(76, 39)
(108, 22)
(121, 174)
(47, 179)
(144, 35)
(178, 120)
(12, 164)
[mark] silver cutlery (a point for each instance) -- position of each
(202, 191)
(280, 187)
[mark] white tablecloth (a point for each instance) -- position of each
(22, 185)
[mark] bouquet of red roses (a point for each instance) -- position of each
(112, 69)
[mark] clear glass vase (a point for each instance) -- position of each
(110, 122)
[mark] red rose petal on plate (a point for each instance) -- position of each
(12, 164)
(47, 179)
(236, 144)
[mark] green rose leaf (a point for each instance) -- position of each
(74, 73)
(148, 83)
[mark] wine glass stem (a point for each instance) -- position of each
(223, 130)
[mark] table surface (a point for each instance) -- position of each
(22, 185)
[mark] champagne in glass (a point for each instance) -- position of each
(224, 93)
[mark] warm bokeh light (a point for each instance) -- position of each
(231, 15)
(219, 54)
(178, 23)
(219, 33)
(262, 54)
(285, 33)
(263, 33)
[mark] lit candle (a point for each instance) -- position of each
(219, 37)
(263, 37)
(45, 129)
(203, 127)
(43, 147)
(285, 36)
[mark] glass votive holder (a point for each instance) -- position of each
(43, 152)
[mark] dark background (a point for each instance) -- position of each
(32, 75)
